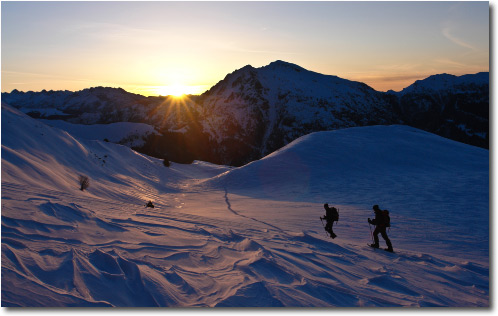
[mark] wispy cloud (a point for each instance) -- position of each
(447, 33)
(450, 62)
(401, 78)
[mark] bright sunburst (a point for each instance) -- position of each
(176, 90)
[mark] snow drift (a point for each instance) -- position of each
(248, 236)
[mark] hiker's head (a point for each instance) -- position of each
(326, 205)
(376, 208)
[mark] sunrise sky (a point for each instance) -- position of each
(154, 48)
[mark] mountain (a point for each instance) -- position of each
(247, 236)
(255, 111)
(263, 109)
(450, 106)
(88, 106)
(100, 105)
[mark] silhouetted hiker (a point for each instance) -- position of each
(381, 222)
(331, 216)
(149, 204)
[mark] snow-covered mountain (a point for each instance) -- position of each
(444, 82)
(88, 106)
(450, 106)
(255, 111)
(263, 109)
(248, 236)
(101, 105)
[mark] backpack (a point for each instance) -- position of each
(387, 219)
(332, 215)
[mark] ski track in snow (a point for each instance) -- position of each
(201, 245)
(182, 259)
(229, 206)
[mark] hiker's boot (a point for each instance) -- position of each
(374, 245)
(390, 249)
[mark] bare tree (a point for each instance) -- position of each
(84, 182)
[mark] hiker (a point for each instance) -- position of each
(331, 216)
(149, 204)
(381, 222)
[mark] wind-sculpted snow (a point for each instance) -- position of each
(219, 236)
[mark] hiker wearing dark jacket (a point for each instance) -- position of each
(331, 215)
(380, 223)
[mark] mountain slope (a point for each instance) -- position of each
(262, 109)
(212, 240)
(102, 105)
(124, 133)
(415, 174)
(450, 106)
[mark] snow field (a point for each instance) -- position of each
(248, 236)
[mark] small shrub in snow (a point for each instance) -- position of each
(149, 204)
(166, 162)
(84, 182)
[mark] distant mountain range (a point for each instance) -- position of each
(255, 111)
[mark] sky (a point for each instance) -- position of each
(154, 48)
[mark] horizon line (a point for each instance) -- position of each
(134, 91)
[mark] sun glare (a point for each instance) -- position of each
(176, 90)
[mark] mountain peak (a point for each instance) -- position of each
(280, 64)
(104, 89)
(446, 81)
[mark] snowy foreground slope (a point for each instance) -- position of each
(248, 236)
(124, 133)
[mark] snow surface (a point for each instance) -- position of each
(43, 111)
(124, 133)
(248, 236)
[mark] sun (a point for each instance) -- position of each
(176, 90)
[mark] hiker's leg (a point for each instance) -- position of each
(376, 236)
(388, 242)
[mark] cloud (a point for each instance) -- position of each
(405, 77)
(447, 33)
(450, 62)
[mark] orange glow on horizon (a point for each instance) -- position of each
(176, 90)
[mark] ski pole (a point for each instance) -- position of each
(371, 234)
(324, 226)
